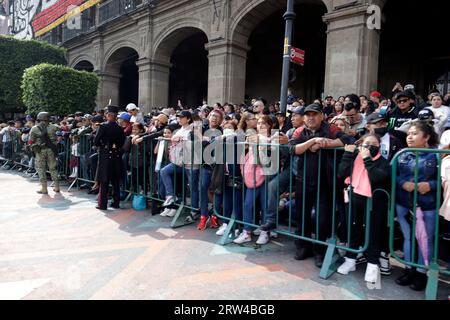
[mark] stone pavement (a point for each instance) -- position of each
(60, 247)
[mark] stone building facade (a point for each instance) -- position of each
(153, 30)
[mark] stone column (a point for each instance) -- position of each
(159, 84)
(144, 84)
(108, 88)
(226, 72)
(352, 52)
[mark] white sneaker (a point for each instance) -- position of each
(171, 213)
(169, 200)
(385, 265)
(221, 230)
(372, 272)
(348, 266)
(263, 238)
(244, 237)
(165, 212)
(257, 232)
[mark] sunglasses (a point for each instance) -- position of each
(402, 101)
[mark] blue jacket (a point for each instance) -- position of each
(427, 173)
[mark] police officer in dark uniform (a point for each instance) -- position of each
(109, 141)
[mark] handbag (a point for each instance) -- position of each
(139, 202)
(233, 182)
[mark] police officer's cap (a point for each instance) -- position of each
(112, 109)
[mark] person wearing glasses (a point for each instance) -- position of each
(403, 110)
(355, 119)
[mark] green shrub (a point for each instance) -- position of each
(15, 56)
(59, 90)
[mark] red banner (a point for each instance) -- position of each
(298, 56)
(49, 15)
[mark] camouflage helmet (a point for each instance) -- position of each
(43, 116)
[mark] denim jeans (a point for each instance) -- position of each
(170, 170)
(7, 150)
(251, 196)
(230, 201)
(206, 174)
(430, 223)
(277, 186)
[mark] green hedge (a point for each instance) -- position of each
(15, 56)
(59, 90)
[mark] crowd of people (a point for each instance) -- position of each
(303, 141)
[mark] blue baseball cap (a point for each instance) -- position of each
(125, 116)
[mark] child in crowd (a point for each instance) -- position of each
(365, 171)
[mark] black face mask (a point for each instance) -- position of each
(374, 151)
(381, 131)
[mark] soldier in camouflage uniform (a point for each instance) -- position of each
(43, 143)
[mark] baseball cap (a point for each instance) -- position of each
(97, 119)
(131, 107)
(375, 118)
(313, 108)
(375, 94)
(184, 114)
(79, 114)
(405, 94)
(426, 114)
(299, 110)
(88, 117)
(409, 87)
(125, 116)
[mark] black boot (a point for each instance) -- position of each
(407, 278)
(419, 282)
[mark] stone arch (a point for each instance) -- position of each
(251, 13)
(116, 47)
(81, 58)
(173, 34)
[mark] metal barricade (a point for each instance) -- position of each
(416, 237)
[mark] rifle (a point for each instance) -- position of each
(47, 142)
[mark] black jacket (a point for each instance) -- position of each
(109, 141)
(379, 172)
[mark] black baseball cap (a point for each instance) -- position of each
(313, 108)
(405, 94)
(184, 114)
(97, 119)
(375, 118)
(426, 114)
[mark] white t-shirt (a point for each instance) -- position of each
(441, 115)
(445, 140)
(139, 118)
(385, 146)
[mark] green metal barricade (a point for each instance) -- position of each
(433, 268)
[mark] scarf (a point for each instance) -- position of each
(360, 178)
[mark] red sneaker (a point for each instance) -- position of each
(202, 225)
(214, 223)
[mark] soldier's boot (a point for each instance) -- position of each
(43, 188)
(56, 187)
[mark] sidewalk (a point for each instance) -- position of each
(61, 247)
